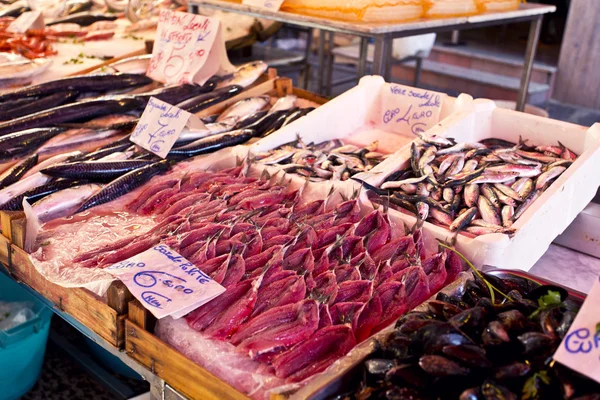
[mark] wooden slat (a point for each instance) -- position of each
(578, 79)
(83, 305)
(6, 218)
(315, 98)
(283, 87)
(118, 297)
(5, 245)
(178, 371)
(17, 235)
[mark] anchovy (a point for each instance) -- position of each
(212, 143)
(71, 112)
(463, 220)
(83, 19)
(85, 83)
(547, 176)
(124, 184)
(94, 170)
(206, 100)
(489, 194)
(38, 193)
(461, 147)
(17, 171)
(52, 100)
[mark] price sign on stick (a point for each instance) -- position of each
(580, 349)
(160, 125)
(408, 109)
(188, 48)
(273, 5)
(165, 282)
(26, 21)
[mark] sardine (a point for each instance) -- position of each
(471, 195)
(436, 140)
(243, 108)
(480, 230)
(533, 196)
(504, 199)
(124, 184)
(448, 195)
(463, 220)
(422, 210)
(487, 211)
(444, 165)
(489, 194)
(524, 171)
(440, 216)
(508, 213)
(415, 156)
(547, 176)
(461, 147)
(536, 156)
(427, 157)
(508, 191)
(399, 184)
(494, 177)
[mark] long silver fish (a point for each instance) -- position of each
(244, 108)
(245, 75)
(64, 202)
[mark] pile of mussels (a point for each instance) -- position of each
(468, 347)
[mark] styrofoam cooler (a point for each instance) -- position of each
(549, 215)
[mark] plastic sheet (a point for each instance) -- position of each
(13, 314)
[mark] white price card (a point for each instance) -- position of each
(408, 109)
(580, 349)
(165, 282)
(26, 21)
(160, 126)
(188, 48)
(273, 5)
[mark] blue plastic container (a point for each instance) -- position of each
(22, 348)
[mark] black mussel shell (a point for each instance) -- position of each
(468, 355)
(493, 391)
(440, 366)
(512, 371)
(471, 394)
(537, 343)
(538, 292)
(513, 321)
(408, 375)
(471, 321)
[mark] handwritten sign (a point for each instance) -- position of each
(160, 126)
(188, 48)
(272, 5)
(26, 21)
(407, 109)
(580, 349)
(165, 282)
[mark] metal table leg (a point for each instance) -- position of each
(329, 77)
(532, 42)
(321, 61)
(362, 59)
(383, 54)
(305, 76)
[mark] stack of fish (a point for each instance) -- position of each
(305, 282)
(480, 188)
(331, 160)
(81, 148)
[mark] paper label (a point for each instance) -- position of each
(272, 5)
(580, 349)
(188, 48)
(408, 109)
(26, 21)
(165, 282)
(160, 126)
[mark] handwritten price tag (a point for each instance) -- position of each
(188, 49)
(580, 349)
(26, 21)
(165, 282)
(407, 109)
(160, 126)
(272, 5)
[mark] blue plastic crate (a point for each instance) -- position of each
(22, 348)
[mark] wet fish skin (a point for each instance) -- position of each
(15, 173)
(494, 177)
(52, 100)
(19, 143)
(96, 83)
(94, 170)
(461, 147)
(543, 180)
(124, 184)
(35, 194)
(504, 199)
(245, 75)
(61, 203)
(22, 186)
(507, 213)
(70, 112)
(487, 211)
(83, 19)
(525, 171)
(212, 143)
(205, 100)
(244, 108)
(533, 196)
(471, 195)
(508, 191)
(489, 194)
(463, 220)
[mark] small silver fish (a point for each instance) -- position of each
(547, 176)
(524, 171)
(448, 195)
(245, 75)
(463, 219)
(494, 177)
(487, 211)
(284, 103)
(461, 147)
(508, 191)
(471, 194)
(489, 194)
(244, 108)
(507, 213)
(398, 184)
(533, 196)
(440, 216)
(422, 210)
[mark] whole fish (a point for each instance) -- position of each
(204, 101)
(508, 213)
(212, 143)
(245, 75)
(547, 176)
(471, 194)
(94, 170)
(52, 100)
(495, 177)
(83, 19)
(21, 143)
(177, 93)
(436, 140)
(489, 194)
(17, 171)
(85, 83)
(463, 220)
(64, 202)
(488, 212)
(461, 147)
(533, 196)
(190, 135)
(38, 193)
(525, 171)
(59, 158)
(508, 191)
(243, 108)
(130, 65)
(22, 186)
(71, 112)
(124, 184)
(284, 103)
(398, 184)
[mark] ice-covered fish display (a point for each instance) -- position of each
(476, 188)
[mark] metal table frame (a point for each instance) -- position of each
(383, 35)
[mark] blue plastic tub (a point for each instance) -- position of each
(22, 348)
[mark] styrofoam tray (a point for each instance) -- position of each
(549, 215)
(370, 111)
